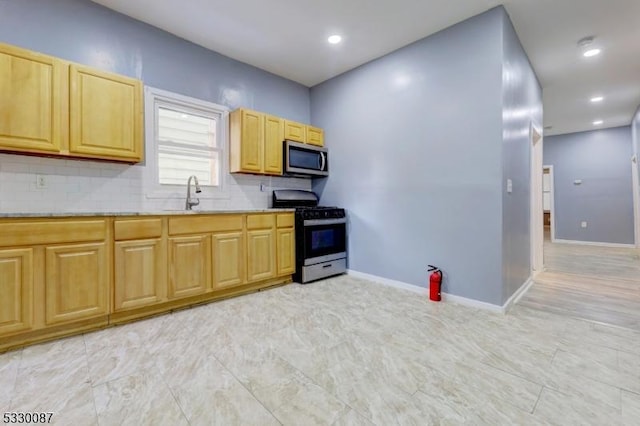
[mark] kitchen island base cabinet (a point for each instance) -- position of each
(76, 282)
(16, 290)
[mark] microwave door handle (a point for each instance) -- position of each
(323, 161)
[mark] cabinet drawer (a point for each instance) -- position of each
(51, 232)
(204, 224)
(285, 220)
(260, 221)
(137, 229)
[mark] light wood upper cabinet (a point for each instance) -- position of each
(76, 282)
(246, 130)
(315, 136)
(33, 101)
(189, 266)
(273, 137)
(228, 260)
(49, 106)
(295, 131)
(105, 115)
(140, 273)
(16, 290)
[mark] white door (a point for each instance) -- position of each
(536, 226)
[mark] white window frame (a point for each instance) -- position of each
(155, 98)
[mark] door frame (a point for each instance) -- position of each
(552, 202)
(636, 198)
(536, 226)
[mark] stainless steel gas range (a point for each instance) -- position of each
(321, 235)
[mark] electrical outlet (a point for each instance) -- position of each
(41, 181)
(583, 224)
(263, 187)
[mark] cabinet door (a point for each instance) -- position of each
(76, 282)
(273, 137)
(106, 115)
(295, 131)
(286, 251)
(261, 259)
(251, 141)
(189, 266)
(32, 102)
(140, 271)
(315, 136)
(16, 290)
(228, 258)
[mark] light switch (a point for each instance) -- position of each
(509, 186)
(583, 224)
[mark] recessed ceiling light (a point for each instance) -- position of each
(596, 99)
(591, 52)
(598, 122)
(334, 39)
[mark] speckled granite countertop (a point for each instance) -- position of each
(150, 213)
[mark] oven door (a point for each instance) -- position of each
(324, 240)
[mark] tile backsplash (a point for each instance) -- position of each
(88, 186)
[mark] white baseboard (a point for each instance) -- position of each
(388, 282)
(472, 303)
(594, 243)
(452, 298)
(518, 294)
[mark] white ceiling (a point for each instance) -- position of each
(288, 38)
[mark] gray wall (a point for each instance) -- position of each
(84, 32)
(416, 153)
(601, 159)
(521, 103)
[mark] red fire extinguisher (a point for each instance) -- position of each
(435, 283)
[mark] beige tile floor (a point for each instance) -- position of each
(337, 352)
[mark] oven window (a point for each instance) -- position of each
(322, 240)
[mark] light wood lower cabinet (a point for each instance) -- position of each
(76, 282)
(261, 250)
(140, 273)
(189, 266)
(69, 275)
(16, 290)
(286, 251)
(228, 260)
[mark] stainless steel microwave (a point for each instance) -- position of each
(305, 160)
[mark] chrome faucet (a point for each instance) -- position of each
(190, 203)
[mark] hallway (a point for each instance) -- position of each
(594, 283)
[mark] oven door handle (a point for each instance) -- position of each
(319, 222)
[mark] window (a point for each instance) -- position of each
(186, 136)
